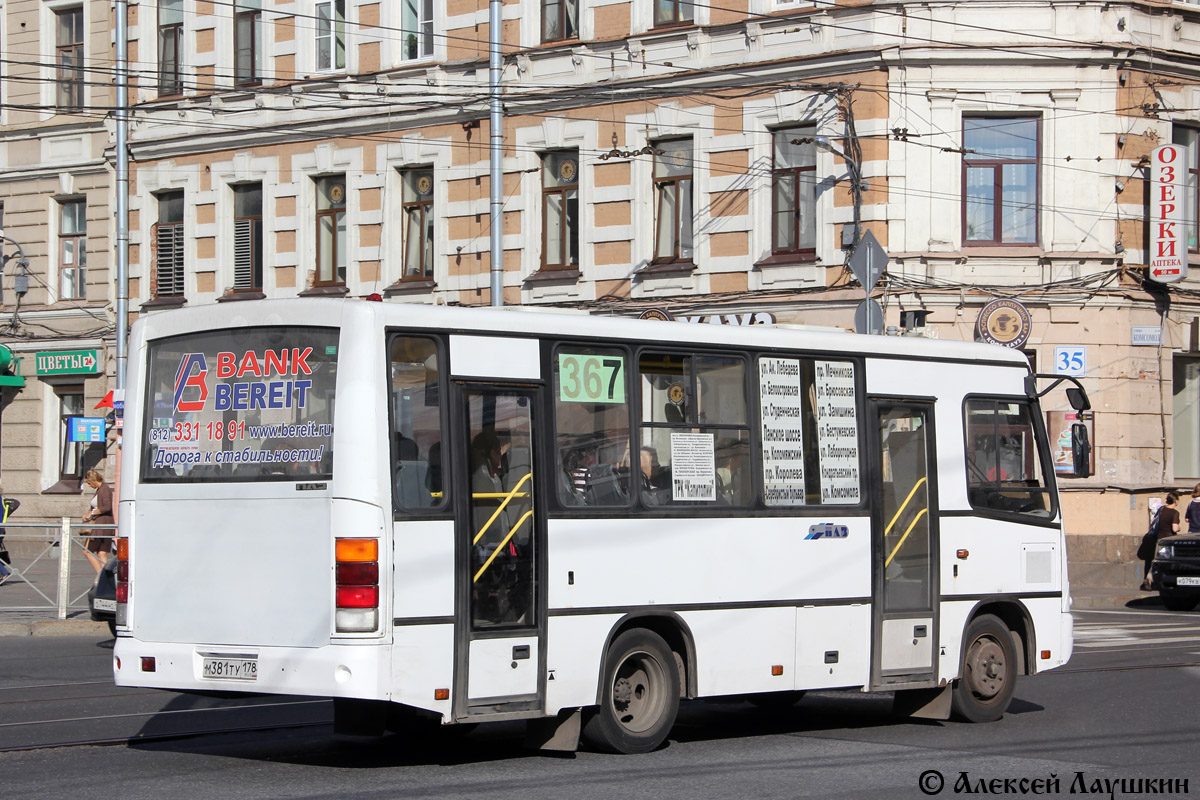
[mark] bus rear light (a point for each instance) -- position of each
(148, 664)
(356, 620)
(357, 550)
(358, 597)
(121, 579)
(358, 574)
(356, 594)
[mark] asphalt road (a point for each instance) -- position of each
(1124, 708)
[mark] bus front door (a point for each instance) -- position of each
(500, 609)
(904, 545)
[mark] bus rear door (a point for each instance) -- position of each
(904, 539)
(500, 551)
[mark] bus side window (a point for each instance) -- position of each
(591, 423)
(416, 424)
(695, 439)
(1005, 465)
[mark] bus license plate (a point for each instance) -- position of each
(230, 669)
(1184, 580)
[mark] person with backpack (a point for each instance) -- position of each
(1164, 524)
(9, 504)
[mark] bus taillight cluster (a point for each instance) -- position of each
(122, 577)
(357, 590)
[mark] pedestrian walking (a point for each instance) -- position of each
(1165, 523)
(98, 542)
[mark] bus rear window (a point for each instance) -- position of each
(249, 404)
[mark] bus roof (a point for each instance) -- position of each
(516, 321)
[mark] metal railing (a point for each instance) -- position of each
(42, 559)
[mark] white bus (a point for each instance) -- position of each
(469, 515)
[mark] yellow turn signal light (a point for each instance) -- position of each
(357, 549)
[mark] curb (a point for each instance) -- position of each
(55, 627)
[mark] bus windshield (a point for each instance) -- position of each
(246, 404)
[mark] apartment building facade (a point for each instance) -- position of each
(56, 191)
(714, 162)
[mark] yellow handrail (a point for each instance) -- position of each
(499, 508)
(903, 505)
(920, 514)
(500, 546)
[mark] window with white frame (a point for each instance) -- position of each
(674, 12)
(1000, 180)
(560, 20)
(72, 250)
(331, 231)
(170, 47)
(418, 223)
(169, 246)
(68, 57)
(247, 237)
(247, 42)
(673, 201)
(70, 454)
(793, 191)
(331, 35)
(416, 23)
(560, 210)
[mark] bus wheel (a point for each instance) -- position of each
(640, 697)
(989, 671)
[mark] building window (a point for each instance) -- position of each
(247, 237)
(417, 29)
(793, 192)
(331, 230)
(1185, 415)
(418, 224)
(1000, 180)
(331, 35)
(169, 246)
(673, 200)
(247, 42)
(70, 404)
(69, 57)
(72, 250)
(560, 210)
(170, 42)
(560, 20)
(673, 12)
(1190, 138)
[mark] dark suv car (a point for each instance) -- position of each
(1176, 571)
(102, 597)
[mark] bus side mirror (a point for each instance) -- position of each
(1078, 399)
(1081, 451)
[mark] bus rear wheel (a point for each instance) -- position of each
(989, 671)
(640, 696)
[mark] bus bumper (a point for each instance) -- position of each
(334, 670)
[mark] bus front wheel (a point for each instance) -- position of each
(989, 671)
(640, 696)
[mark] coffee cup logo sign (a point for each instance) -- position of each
(1168, 246)
(1004, 322)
